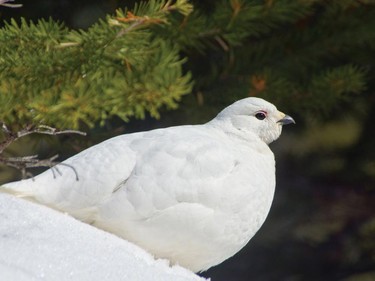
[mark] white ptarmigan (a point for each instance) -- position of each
(194, 194)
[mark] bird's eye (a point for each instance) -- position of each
(260, 115)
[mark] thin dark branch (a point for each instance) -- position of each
(31, 161)
(67, 165)
(11, 136)
(25, 162)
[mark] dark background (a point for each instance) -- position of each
(322, 223)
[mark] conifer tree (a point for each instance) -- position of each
(141, 60)
(57, 76)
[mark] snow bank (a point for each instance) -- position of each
(38, 243)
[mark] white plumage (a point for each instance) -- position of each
(192, 194)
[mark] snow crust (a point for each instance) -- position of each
(38, 243)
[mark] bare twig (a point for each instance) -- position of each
(5, 4)
(11, 136)
(24, 162)
(47, 130)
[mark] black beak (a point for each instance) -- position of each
(286, 120)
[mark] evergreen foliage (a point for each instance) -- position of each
(312, 54)
(132, 62)
(62, 77)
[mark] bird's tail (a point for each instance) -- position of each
(21, 188)
(30, 190)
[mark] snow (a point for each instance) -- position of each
(39, 243)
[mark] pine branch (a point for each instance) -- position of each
(139, 61)
(115, 68)
(232, 22)
(288, 51)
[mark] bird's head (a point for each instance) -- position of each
(255, 116)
